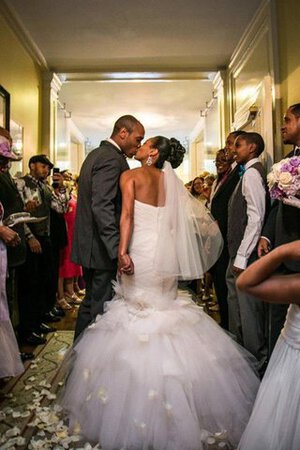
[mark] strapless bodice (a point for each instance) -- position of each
(291, 329)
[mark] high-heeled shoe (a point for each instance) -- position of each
(73, 298)
(63, 304)
(80, 292)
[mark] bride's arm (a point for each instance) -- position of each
(258, 280)
(126, 222)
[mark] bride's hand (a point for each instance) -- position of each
(125, 265)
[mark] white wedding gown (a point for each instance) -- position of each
(275, 421)
(155, 372)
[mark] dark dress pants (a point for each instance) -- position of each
(218, 272)
(12, 294)
(35, 287)
(98, 290)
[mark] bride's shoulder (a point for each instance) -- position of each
(132, 173)
(130, 176)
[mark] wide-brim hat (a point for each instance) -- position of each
(5, 150)
(41, 159)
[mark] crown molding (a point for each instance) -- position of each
(138, 75)
(23, 35)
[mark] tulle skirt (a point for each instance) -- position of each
(159, 379)
(10, 361)
(275, 421)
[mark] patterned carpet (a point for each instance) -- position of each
(26, 421)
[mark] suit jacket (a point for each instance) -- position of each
(220, 200)
(96, 231)
(283, 226)
(12, 203)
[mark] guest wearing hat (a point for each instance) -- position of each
(10, 361)
(16, 255)
(36, 281)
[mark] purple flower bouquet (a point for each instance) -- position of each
(284, 181)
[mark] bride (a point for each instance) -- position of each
(155, 372)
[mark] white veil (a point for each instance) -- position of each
(189, 239)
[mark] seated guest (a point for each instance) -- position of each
(247, 210)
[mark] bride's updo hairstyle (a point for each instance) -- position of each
(169, 150)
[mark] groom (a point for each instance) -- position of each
(96, 232)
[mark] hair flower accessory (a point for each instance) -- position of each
(284, 181)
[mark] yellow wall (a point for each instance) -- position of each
(21, 77)
(288, 15)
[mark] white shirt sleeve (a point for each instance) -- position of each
(254, 192)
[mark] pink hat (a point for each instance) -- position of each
(5, 150)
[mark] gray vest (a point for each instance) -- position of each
(237, 213)
(40, 228)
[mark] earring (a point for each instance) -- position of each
(149, 161)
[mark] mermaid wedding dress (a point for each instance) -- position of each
(155, 372)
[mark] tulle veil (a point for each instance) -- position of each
(189, 239)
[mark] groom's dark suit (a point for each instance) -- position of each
(96, 232)
(219, 210)
(282, 226)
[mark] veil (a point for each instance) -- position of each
(189, 239)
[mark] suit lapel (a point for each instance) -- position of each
(223, 185)
(116, 149)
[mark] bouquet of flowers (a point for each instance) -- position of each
(284, 181)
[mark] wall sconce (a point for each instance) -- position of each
(253, 112)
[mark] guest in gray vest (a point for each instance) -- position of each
(283, 224)
(96, 231)
(246, 216)
(37, 296)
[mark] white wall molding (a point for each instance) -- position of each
(257, 49)
(259, 23)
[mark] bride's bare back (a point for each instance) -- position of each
(149, 186)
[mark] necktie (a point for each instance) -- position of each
(242, 170)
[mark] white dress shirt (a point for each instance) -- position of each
(254, 191)
(114, 143)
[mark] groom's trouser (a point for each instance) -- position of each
(247, 319)
(98, 290)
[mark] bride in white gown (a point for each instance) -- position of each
(155, 372)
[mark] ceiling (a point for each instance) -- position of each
(91, 40)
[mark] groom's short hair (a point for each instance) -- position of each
(127, 121)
